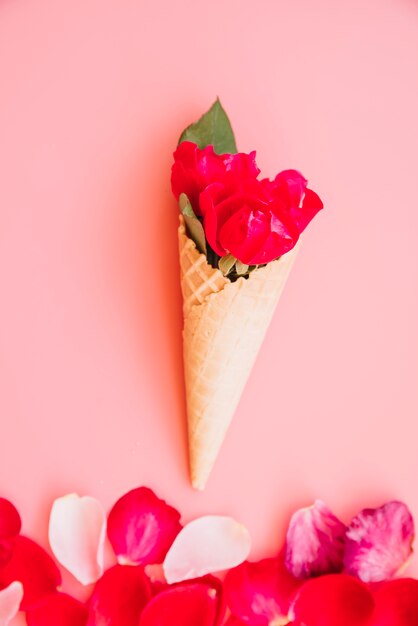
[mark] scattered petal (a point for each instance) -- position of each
(34, 568)
(141, 527)
(119, 597)
(315, 542)
(192, 603)
(77, 533)
(379, 542)
(10, 599)
(206, 545)
(333, 600)
(260, 593)
(58, 609)
(10, 525)
(396, 603)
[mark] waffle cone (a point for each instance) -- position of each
(224, 326)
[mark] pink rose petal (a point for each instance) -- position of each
(194, 603)
(141, 527)
(396, 603)
(206, 545)
(333, 600)
(10, 525)
(10, 599)
(58, 609)
(315, 542)
(34, 568)
(119, 597)
(260, 593)
(379, 542)
(77, 533)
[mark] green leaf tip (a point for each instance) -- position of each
(212, 129)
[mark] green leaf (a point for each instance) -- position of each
(226, 263)
(193, 224)
(213, 128)
(241, 268)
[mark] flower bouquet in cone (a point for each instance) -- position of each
(238, 238)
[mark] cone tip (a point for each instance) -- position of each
(198, 483)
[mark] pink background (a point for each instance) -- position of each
(93, 97)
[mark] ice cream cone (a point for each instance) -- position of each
(224, 326)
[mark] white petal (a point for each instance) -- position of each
(10, 599)
(208, 544)
(77, 533)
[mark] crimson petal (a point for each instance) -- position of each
(58, 609)
(315, 542)
(260, 593)
(141, 527)
(379, 542)
(119, 597)
(10, 525)
(193, 603)
(34, 568)
(396, 603)
(333, 600)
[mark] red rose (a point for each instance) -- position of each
(194, 169)
(254, 220)
(258, 220)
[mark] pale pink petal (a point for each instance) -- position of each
(141, 527)
(315, 542)
(208, 544)
(379, 542)
(77, 532)
(10, 599)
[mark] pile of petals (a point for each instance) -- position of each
(162, 574)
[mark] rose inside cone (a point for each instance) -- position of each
(162, 573)
(236, 219)
(237, 242)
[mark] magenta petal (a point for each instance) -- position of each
(141, 527)
(379, 542)
(333, 600)
(195, 603)
(34, 568)
(10, 525)
(260, 593)
(396, 603)
(119, 597)
(58, 609)
(315, 542)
